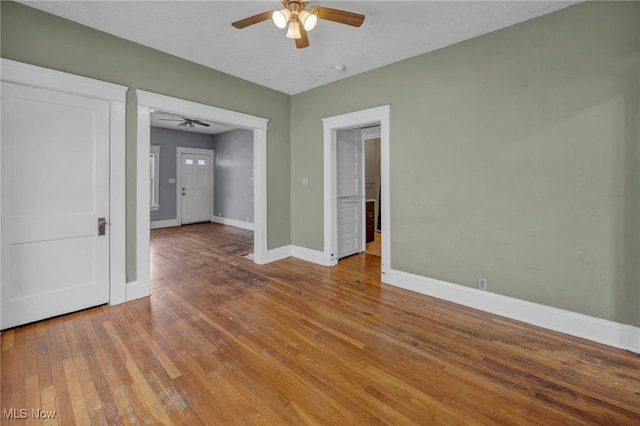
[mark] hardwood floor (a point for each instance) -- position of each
(223, 341)
(375, 246)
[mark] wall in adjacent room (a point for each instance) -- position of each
(233, 175)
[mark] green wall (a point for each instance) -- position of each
(514, 157)
(38, 38)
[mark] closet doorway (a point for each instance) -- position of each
(372, 190)
(361, 121)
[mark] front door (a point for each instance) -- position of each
(350, 194)
(55, 191)
(197, 191)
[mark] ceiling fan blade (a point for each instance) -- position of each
(200, 123)
(253, 19)
(340, 16)
(303, 41)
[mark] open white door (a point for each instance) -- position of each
(349, 192)
(55, 191)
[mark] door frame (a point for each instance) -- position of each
(146, 102)
(199, 151)
(368, 133)
(331, 125)
(44, 78)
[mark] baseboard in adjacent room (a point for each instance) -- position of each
(233, 222)
(164, 223)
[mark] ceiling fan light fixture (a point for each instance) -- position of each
(294, 30)
(299, 20)
(281, 17)
(309, 19)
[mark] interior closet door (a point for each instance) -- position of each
(55, 203)
(350, 200)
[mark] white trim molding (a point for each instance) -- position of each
(598, 330)
(233, 222)
(302, 253)
(115, 94)
(164, 224)
(313, 256)
(149, 100)
(373, 116)
(279, 253)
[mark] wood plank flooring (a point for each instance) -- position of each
(223, 341)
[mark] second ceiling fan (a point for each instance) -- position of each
(299, 19)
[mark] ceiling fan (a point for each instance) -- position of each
(187, 123)
(299, 19)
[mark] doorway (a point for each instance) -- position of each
(194, 185)
(258, 126)
(372, 182)
(62, 193)
(379, 116)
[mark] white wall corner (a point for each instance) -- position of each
(310, 255)
(598, 330)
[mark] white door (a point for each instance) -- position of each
(55, 189)
(350, 192)
(197, 191)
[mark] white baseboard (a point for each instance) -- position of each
(164, 223)
(278, 254)
(302, 253)
(310, 255)
(598, 330)
(233, 222)
(135, 290)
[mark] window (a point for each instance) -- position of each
(154, 177)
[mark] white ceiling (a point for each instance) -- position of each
(201, 32)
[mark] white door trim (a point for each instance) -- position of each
(44, 78)
(331, 125)
(365, 134)
(149, 100)
(184, 150)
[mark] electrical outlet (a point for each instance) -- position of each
(482, 283)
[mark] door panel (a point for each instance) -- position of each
(197, 193)
(348, 164)
(55, 186)
(349, 225)
(350, 192)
